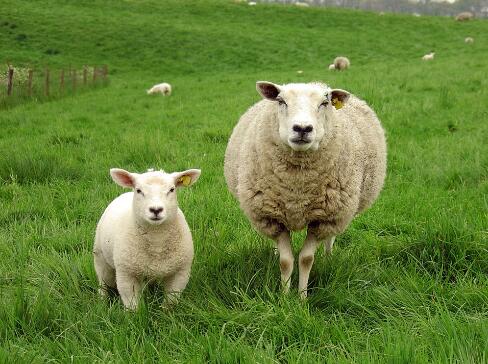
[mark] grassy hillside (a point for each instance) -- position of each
(408, 281)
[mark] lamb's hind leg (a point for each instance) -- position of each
(105, 273)
(283, 245)
(305, 262)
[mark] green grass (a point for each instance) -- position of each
(408, 281)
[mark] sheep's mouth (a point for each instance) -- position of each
(155, 218)
(301, 141)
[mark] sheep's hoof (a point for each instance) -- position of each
(303, 295)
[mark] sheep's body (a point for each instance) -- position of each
(341, 63)
(465, 16)
(332, 66)
(279, 188)
(161, 88)
(282, 190)
(469, 40)
(428, 57)
(136, 244)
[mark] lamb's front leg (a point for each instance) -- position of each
(173, 287)
(283, 245)
(129, 287)
(305, 262)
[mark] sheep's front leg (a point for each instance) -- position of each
(173, 287)
(286, 259)
(129, 287)
(305, 262)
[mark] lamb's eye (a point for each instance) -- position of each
(139, 191)
(172, 189)
(324, 104)
(281, 101)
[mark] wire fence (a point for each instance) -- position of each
(22, 84)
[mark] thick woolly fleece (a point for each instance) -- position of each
(280, 189)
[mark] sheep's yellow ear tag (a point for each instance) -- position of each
(337, 103)
(185, 180)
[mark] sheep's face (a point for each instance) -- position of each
(304, 111)
(154, 200)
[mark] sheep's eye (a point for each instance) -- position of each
(139, 191)
(172, 189)
(324, 104)
(281, 101)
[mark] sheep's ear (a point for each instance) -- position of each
(268, 90)
(186, 178)
(338, 97)
(122, 177)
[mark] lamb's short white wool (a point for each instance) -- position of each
(143, 236)
(161, 88)
(428, 57)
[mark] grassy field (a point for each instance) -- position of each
(407, 282)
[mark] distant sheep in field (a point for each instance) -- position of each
(428, 57)
(341, 63)
(251, 3)
(302, 4)
(306, 157)
(161, 88)
(469, 40)
(143, 236)
(464, 16)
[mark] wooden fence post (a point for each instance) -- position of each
(61, 81)
(10, 80)
(73, 79)
(46, 84)
(29, 82)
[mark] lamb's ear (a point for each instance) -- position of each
(268, 90)
(186, 178)
(122, 177)
(338, 97)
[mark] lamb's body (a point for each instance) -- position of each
(277, 187)
(157, 252)
(282, 190)
(130, 249)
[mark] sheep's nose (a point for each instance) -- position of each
(302, 129)
(156, 210)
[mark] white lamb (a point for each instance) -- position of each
(143, 235)
(306, 157)
(428, 57)
(161, 88)
(468, 40)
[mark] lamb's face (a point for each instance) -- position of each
(154, 200)
(304, 111)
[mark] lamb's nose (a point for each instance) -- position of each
(156, 210)
(302, 129)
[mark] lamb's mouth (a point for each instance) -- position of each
(155, 218)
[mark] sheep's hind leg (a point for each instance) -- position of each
(305, 262)
(283, 245)
(328, 245)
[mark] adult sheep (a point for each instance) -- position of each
(298, 159)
